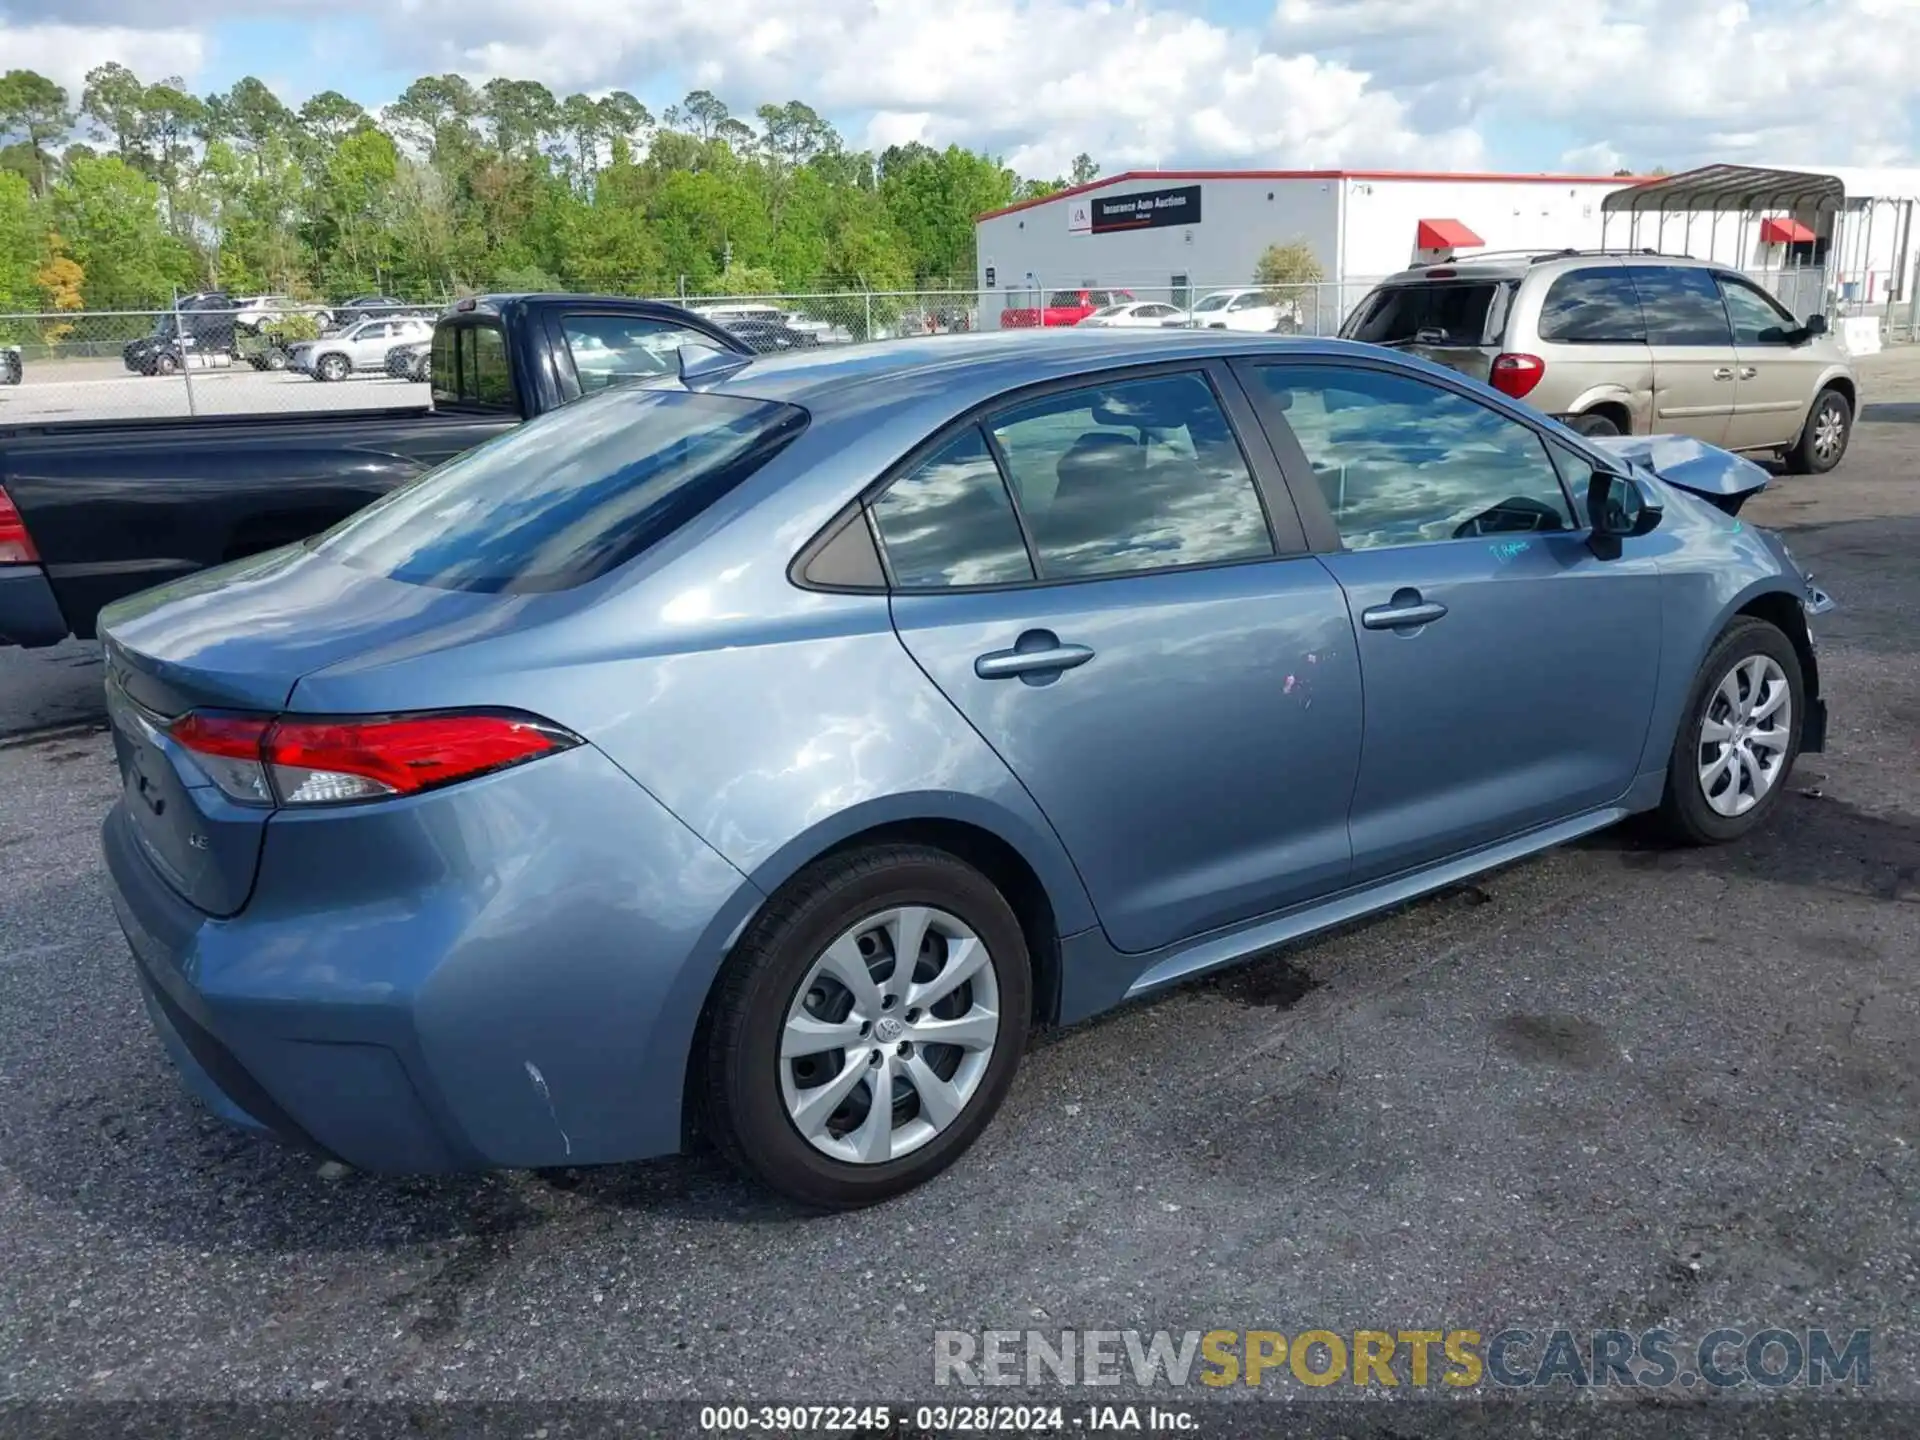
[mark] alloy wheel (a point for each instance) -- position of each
(888, 1037)
(1829, 431)
(1744, 735)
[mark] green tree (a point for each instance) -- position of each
(109, 214)
(116, 102)
(1084, 170)
(22, 237)
(33, 114)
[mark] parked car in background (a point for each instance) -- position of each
(1252, 311)
(762, 315)
(767, 335)
(1636, 343)
(94, 510)
(358, 347)
(1136, 315)
(738, 752)
(250, 312)
(367, 307)
(1063, 307)
(411, 361)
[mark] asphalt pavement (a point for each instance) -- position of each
(1616, 1086)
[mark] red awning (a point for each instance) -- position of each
(1785, 232)
(1447, 235)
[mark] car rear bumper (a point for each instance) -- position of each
(29, 615)
(504, 974)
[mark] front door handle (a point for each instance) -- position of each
(1404, 612)
(1725, 372)
(1747, 372)
(1035, 653)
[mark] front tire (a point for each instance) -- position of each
(1593, 424)
(819, 1019)
(1823, 440)
(331, 367)
(1739, 737)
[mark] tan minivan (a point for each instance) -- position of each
(1628, 343)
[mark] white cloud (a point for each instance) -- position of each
(64, 53)
(1036, 80)
(1403, 83)
(1678, 82)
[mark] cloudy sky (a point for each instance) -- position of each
(1512, 84)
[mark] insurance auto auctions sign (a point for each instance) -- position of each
(1135, 210)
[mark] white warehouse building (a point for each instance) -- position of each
(1834, 240)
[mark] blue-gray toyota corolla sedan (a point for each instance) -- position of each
(763, 749)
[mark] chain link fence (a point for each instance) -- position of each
(196, 359)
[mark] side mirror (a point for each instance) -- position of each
(1816, 325)
(1618, 509)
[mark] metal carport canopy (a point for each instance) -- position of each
(1730, 188)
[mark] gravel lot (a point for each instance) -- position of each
(1613, 1086)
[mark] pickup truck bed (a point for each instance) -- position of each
(93, 512)
(117, 507)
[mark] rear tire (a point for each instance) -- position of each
(1823, 440)
(764, 1094)
(1734, 706)
(165, 363)
(1593, 424)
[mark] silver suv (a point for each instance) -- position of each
(1636, 343)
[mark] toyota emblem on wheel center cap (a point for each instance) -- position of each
(888, 1030)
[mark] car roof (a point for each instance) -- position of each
(1516, 266)
(943, 372)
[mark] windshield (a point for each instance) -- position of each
(567, 497)
(1213, 302)
(1440, 312)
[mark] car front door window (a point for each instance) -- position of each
(609, 349)
(1757, 320)
(1402, 462)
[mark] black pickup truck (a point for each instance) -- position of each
(90, 512)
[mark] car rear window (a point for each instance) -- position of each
(567, 497)
(1435, 312)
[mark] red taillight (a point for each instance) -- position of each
(303, 761)
(1516, 375)
(16, 546)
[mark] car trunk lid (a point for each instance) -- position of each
(237, 640)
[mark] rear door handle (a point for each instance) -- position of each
(1725, 372)
(1043, 659)
(1747, 372)
(1402, 614)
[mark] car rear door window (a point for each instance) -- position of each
(470, 368)
(568, 496)
(1132, 475)
(1597, 306)
(1681, 304)
(949, 522)
(1401, 461)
